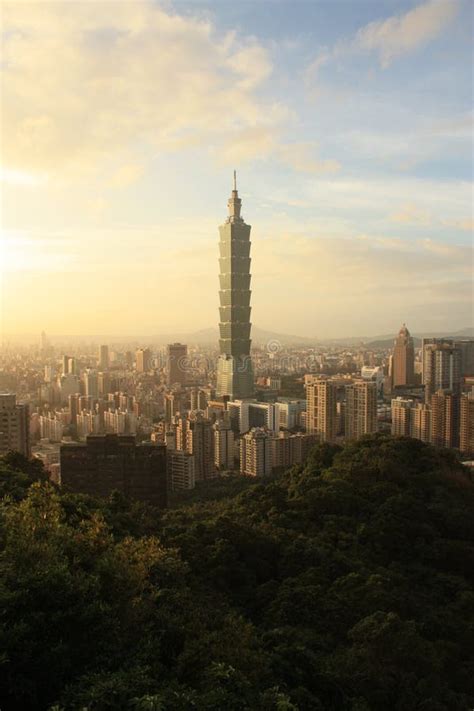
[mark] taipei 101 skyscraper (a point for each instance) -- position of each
(234, 367)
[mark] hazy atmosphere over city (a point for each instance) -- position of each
(349, 124)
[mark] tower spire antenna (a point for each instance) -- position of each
(234, 203)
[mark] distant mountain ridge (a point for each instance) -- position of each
(260, 336)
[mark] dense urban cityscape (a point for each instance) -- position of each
(172, 416)
(236, 356)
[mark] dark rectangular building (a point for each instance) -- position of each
(107, 462)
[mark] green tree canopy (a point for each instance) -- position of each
(346, 583)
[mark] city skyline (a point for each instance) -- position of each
(236, 446)
(360, 224)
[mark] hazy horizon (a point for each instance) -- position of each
(349, 125)
(30, 339)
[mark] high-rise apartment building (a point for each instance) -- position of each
(107, 462)
(420, 422)
(223, 445)
(196, 436)
(263, 414)
(120, 422)
(68, 385)
(403, 363)
(177, 363)
(301, 445)
(65, 364)
(466, 425)
(69, 365)
(171, 407)
(73, 406)
(467, 355)
(289, 412)
(441, 366)
(103, 383)
(256, 453)
(14, 425)
(321, 409)
(91, 383)
(235, 378)
(143, 360)
(45, 346)
(181, 470)
(104, 358)
(51, 427)
(361, 409)
(445, 419)
(401, 416)
(198, 399)
(411, 419)
(49, 373)
(288, 449)
(87, 423)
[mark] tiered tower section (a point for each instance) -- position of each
(234, 370)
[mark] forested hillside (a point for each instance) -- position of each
(344, 584)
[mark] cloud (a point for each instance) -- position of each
(253, 66)
(303, 158)
(265, 143)
(16, 177)
(246, 144)
(391, 38)
(465, 225)
(411, 214)
(399, 35)
(352, 285)
(86, 83)
(323, 58)
(127, 175)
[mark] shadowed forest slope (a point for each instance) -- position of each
(346, 583)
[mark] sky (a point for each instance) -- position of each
(349, 124)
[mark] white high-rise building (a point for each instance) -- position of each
(256, 453)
